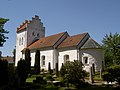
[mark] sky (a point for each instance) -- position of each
(97, 17)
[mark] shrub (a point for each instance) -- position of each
(107, 77)
(49, 77)
(22, 71)
(72, 72)
(39, 79)
(112, 74)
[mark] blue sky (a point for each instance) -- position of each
(97, 17)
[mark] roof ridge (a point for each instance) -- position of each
(78, 34)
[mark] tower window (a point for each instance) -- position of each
(38, 35)
(19, 41)
(22, 41)
(33, 34)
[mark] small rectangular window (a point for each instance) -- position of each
(85, 60)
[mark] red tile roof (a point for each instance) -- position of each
(23, 26)
(48, 41)
(72, 40)
(8, 58)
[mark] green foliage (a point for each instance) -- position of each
(3, 31)
(3, 72)
(49, 77)
(28, 60)
(37, 62)
(112, 74)
(40, 80)
(72, 72)
(22, 71)
(111, 50)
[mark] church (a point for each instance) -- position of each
(57, 48)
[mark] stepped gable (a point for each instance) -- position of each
(48, 41)
(23, 26)
(72, 40)
(90, 43)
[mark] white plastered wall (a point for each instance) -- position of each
(94, 56)
(20, 47)
(48, 58)
(64, 51)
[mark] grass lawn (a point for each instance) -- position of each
(30, 80)
(52, 87)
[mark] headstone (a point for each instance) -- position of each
(91, 75)
(100, 73)
(93, 69)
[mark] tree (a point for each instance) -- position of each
(111, 50)
(14, 54)
(56, 70)
(28, 60)
(37, 62)
(22, 71)
(3, 31)
(49, 68)
(3, 72)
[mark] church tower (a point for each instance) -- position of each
(27, 33)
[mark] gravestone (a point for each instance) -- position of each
(91, 75)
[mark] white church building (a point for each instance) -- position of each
(57, 48)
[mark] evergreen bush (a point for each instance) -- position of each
(49, 68)
(3, 72)
(112, 74)
(28, 60)
(22, 71)
(37, 62)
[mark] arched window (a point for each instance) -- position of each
(43, 60)
(22, 41)
(66, 58)
(33, 33)
(38, 35)
(85, 60)
(19, 41)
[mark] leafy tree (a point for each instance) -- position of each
(22, 71)
(3, 31)
(28, 60)
(37, 62)
(111, 50)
